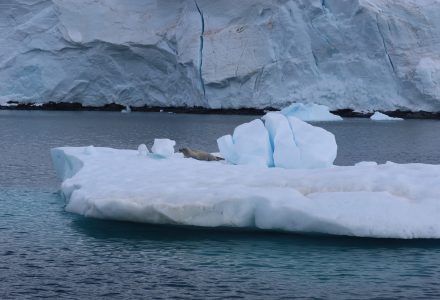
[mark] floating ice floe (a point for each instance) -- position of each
(280, 141)
(367, 200)
(378, 116)
(310, 112)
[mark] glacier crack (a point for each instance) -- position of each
(202, 19)
(385, 45)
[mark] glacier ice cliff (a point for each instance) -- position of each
(359, 54)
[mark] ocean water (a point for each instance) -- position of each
(46, 252)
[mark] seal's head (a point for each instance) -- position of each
(186, 152)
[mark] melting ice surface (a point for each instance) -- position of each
(366, 200)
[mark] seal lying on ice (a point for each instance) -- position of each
(199, 155)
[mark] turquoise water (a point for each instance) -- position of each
(46, 252)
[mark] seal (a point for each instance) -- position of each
(199, 155)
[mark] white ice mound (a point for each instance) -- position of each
(318, 148)
(249, 145)
(163, 147)
(310, 112)
(143, 150)
(378, 116)
(284, 142)
(384, 201)
(286, 153)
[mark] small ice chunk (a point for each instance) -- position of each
(286, 153)
(126, 110)
(318, 148)
(142, 150)
(310, 112)
(163, 147)
(378, 116)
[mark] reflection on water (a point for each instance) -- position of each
(126, 231)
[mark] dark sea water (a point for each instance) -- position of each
(46, 252)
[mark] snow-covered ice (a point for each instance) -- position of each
(310, 112)
(284, 142)
(367, 200)
(163, 147)
(378, 116)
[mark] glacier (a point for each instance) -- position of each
(365, 55)
(366, 200)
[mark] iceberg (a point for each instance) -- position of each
(310, 112)
(366, 200)
(284, 142)
(378, 116)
